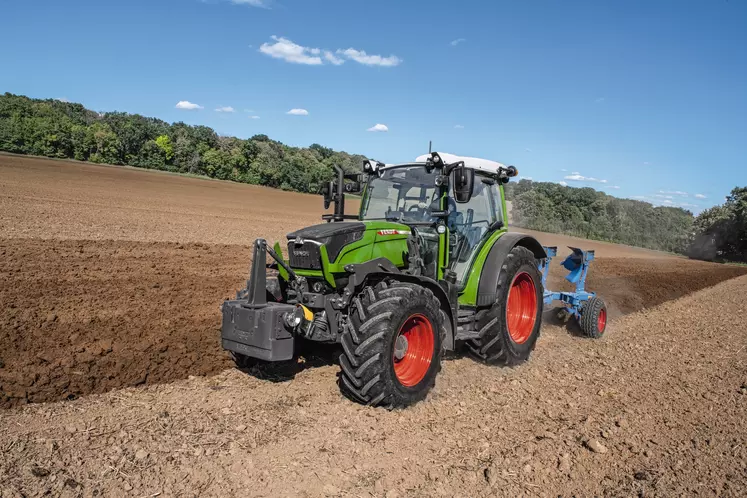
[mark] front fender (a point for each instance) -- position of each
(381, 268)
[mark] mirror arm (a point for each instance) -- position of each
(451, 167)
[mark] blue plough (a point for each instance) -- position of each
(588, 309)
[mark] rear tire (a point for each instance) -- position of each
(392, 345)
(509, 329)
(593, 320)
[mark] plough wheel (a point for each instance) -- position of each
(593, 320)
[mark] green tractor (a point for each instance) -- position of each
(426, 266)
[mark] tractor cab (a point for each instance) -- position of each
(418, 195)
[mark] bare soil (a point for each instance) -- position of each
(656, 408)
(111, 278)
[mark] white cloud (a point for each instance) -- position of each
(685, 204)
(379, 127)
(525, 178)
(361, 57)
(638, 197)
(527, 149)
(298, 112)
(576, 177)
(565, 184)
(599, 100)
(616, 187)
(660, 196)
(673, 192)
(332, 58)
(63, 99)
(253, 117)
(291, 52)
(248, 110)
(667, 202)
(575, 173)
(225, 109)
(287, 50)
(459, 127)
(700, 196)
(186, 104)
(564, 170)
(456, 42)
(646, 163)
(265, 4)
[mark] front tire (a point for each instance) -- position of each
(392, 345)
(509, 329)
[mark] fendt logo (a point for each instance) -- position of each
(393, 232)
(301, 254)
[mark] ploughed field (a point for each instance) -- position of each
(112, 278)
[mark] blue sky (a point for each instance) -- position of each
(648, 96)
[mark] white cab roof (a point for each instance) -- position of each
(470, 162)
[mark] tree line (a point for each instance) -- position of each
(54, 128)
(590, 214)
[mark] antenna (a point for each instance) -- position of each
(430, 146)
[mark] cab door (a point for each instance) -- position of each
(471, 225)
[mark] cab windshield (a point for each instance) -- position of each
(403, 194)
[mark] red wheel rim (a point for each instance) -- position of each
(602, 320)
(414, 361)
(521, 308)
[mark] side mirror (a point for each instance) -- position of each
(356, 185)
(463, 180)
(353, 188)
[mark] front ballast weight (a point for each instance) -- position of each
(586, 307)
(254, 327)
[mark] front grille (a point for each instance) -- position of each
(305, 256)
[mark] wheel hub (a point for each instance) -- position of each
(521, 308)
(413, 350)
(400, 347)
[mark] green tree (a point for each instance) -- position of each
(164, 142)
(217, 164)
(720, 233)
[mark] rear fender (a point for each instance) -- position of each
(488, 285)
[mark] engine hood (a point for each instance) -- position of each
(325, 230)
(363, 238)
